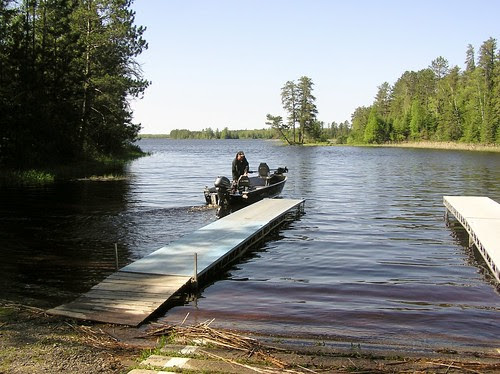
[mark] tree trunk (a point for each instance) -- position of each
(85, 101)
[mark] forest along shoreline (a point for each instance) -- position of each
(443, 146)
(33, 342)
(440, 145)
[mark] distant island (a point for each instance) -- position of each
(209, 133)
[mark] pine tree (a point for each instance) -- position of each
(67, 71)
(289, 99)
(109, 41)
(306, 108)
(383, 105)
(470, 63)
(486, 66)
(374, 131)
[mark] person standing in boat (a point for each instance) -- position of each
(240, 166)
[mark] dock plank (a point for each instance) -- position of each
(128, 302)
(212, 241)
(133, 293)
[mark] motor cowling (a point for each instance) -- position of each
(223, 188)
(222, 182)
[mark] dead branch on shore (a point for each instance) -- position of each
(21, 307)
(202, 333)
(470, 367)
(98, 338)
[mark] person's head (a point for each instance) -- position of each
(240, 155)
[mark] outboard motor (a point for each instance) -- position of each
(223, 188)
(281, 170)
(222, 182)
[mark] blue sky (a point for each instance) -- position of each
(222, 63)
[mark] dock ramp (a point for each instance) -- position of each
(136, 291)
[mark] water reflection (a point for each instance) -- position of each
(54, 244)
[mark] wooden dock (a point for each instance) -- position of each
(480, 216)
(136, 291)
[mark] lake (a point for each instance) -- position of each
(372, 260)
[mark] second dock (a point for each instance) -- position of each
(480, 216)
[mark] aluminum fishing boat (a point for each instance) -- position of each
(228, 196)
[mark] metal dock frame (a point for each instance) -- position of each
(480, 216)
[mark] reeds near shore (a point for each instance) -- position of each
(445, 145)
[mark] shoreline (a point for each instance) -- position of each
(444, 146)
(420, 145)
(407, 144)
(33, 342)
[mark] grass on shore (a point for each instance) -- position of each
(446, 145)
(99, 169)
(421, 144)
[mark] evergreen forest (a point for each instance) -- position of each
(67, 74)
(225, 133)
(439, 103)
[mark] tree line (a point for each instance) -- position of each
(440, 103)
(67, 73)
(209, 133)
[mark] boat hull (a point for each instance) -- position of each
(251, 197)
(260, 188)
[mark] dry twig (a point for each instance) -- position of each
(453, 366)
(203, 332)
(98, 339)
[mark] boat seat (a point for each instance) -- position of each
(243, 182)
(263, 170)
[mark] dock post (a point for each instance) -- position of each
(116, 256)
(195, 275)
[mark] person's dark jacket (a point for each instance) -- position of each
(239, 167)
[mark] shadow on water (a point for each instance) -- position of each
(59, 240)
(54, 242)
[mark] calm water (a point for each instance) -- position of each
(372, 260)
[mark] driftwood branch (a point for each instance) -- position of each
(203, 333)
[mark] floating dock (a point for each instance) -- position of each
(480, 216)
(136, 291)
